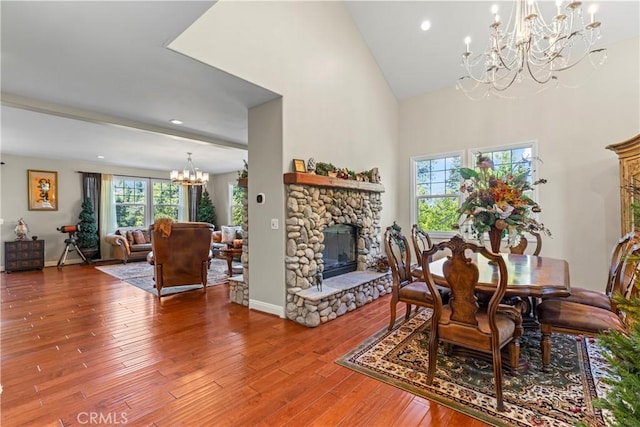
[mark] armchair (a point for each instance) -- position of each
(181, 254)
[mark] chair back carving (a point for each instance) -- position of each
(522, 246)
(397, 248)
(628, 273)
(461, 275)
(620, 250)
(421, 240)
(182, 257)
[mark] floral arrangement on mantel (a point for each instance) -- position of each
(328, 169)
(496, 203)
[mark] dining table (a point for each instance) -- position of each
(529, 277)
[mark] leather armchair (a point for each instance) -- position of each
(181, 257)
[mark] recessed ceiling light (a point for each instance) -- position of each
(101, 157)
(426, 24)
(176, 121)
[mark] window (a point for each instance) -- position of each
(235, 204)
(436, 190)
(140, 201)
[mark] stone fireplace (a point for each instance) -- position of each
(350, 211)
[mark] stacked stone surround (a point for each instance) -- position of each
(239, 285)
(310, 209)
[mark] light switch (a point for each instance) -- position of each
(274, 223)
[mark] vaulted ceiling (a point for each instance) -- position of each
(83, 79)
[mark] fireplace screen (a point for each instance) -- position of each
(339, 252)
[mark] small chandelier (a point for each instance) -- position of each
(529, 46)
(190, 175)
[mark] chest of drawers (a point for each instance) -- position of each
(23, 255)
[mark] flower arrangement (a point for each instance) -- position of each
(498, 200)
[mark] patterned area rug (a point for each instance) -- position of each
(533, 398)
(140, 274)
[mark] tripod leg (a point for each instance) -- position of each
(84, 258)
(63, 256)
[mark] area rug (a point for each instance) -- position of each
(533, 398)
(140, 274)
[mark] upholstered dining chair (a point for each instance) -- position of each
(557, 315)
(602, 299)
(421, 242)
(524, 243)
(181, 253)
(405, 288)
(463, 322)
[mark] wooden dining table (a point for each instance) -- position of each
(529, 277)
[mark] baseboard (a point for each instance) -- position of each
(267, 308)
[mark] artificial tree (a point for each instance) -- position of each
(206, 210)
(87, 234)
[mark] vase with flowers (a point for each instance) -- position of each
(497, 203)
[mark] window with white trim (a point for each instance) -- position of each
(436, 182)
(141, 201)
(436, 192)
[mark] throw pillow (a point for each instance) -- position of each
(237, 243)
(147, 236)
(130, 237)
(217, 237)
(138, 237)
(228, 234)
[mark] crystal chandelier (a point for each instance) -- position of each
(530, 47)
(190, 175)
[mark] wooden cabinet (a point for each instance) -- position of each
(629, 156)
(23, 255)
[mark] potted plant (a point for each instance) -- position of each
(87, 234)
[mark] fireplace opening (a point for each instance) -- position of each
(339, 252)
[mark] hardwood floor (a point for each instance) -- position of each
(80, 347)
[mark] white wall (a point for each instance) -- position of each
(43, 224)
(219, 191)
(580, 202)
(336, 106)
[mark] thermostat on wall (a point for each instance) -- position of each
(260, 198)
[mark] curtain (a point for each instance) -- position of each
(107, 215)
(91, 188)
(195, 193)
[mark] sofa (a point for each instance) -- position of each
(130, 245)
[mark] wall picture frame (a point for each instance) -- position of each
(43, 190)
(299, 165)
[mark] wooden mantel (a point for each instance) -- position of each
(330, 182)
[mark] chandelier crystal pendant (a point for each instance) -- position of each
(190, 175)
(529, 47)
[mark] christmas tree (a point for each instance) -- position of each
(624, 364)
(206, 211)
(87, 235)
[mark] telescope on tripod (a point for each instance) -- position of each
(70, 244)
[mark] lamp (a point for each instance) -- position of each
(190, 175)
(529, 46)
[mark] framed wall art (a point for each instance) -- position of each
(43, 190)
(299, 165)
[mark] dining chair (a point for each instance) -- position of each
(522, 246)
(421, 242)
(602, 299)
(462, 321)
(405, 287)
(558, 315)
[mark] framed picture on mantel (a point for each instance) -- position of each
(299, 165)
(43, 190)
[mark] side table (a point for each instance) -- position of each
(23, 255)
(229, 254)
